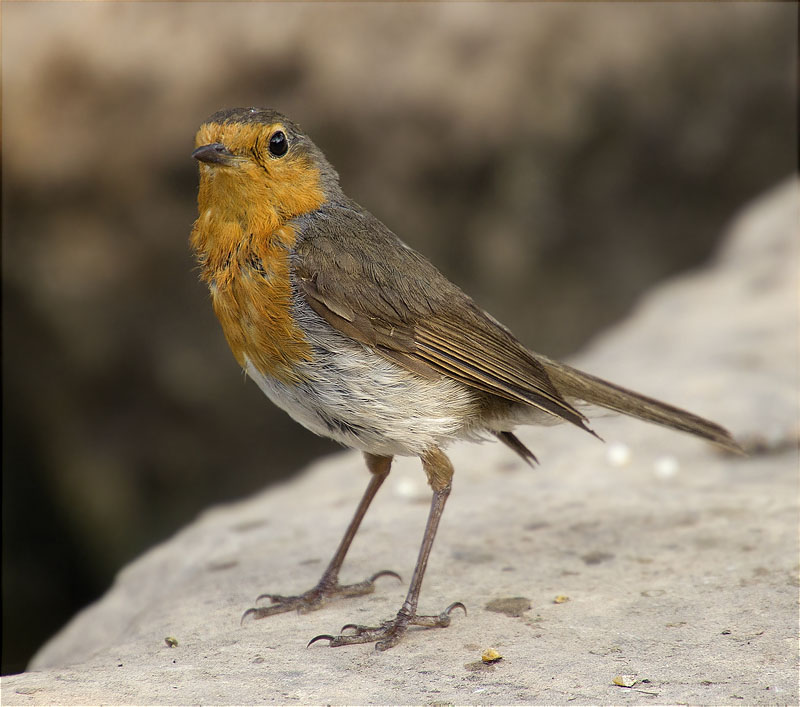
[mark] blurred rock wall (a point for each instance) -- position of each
(554, 159)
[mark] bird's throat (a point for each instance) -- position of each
(247, 269)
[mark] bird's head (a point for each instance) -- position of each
(258, 161)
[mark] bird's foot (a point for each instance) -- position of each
(389, 633)
(314, 598)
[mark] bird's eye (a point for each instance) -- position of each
(278, 145)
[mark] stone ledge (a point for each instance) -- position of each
(678, 565)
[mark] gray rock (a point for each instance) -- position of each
(656, 568)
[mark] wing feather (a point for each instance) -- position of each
(368, 285)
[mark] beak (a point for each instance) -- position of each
(215, 153)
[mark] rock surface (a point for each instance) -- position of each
(657, 569)
(538, 153)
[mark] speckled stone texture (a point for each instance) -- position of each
(657, 570)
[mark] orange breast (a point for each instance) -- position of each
(248, 276)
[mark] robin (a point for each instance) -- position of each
(361, 339)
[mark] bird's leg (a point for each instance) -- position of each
(328, 585)
(440, 473)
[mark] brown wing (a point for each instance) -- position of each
(370, 286)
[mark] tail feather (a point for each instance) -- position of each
(575, 384)
(513, 442)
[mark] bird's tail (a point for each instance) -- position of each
(575, 384)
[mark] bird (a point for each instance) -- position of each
(359, 338)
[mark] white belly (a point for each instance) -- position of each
(361, 400)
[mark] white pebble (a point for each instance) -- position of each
(407, 488)
(618, 454)
(665, 467)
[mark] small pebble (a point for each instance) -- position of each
(490, 655)
(407, 488)
(665, 467)
(618, 454)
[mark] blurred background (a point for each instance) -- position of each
(556, 160)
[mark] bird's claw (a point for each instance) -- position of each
(455, 605)
(321, 637)
(385, 573)
(389, 633)
(315, 598)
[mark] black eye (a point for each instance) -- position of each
(278, 144)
